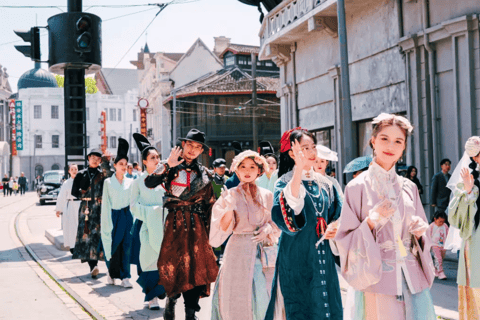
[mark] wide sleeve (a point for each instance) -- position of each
(158, 177)
(283, 215)
(360, 259)
(62, 198)
(106, 220)
(77, 185)
(222, 207)
(151, 215)
(462, 209)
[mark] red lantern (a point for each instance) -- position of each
(210, 152)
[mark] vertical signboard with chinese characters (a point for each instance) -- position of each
(19, 125)
(11, 105)
(143, 105)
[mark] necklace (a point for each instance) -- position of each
(315, 199)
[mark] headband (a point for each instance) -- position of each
(285, 144)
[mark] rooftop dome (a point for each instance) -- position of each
(37, 78)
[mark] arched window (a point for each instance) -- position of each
(38, 170)
(56, 167)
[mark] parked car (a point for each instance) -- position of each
(50, 185)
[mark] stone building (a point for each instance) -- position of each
(419, 58)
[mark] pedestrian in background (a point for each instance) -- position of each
(439, 193)
(10, 186)
(130, 174)
(136, 168)
(412, 173)
(5, 185)
(22, 183)
(437, 232)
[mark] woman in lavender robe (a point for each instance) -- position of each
(384, 252)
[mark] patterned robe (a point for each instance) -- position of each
(88, 245)
(186, 259)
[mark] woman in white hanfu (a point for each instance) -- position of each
(68, 206)
(242, 289)
(384, 250)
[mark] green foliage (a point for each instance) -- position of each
(90, 84)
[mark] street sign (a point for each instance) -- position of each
(143, 121)
(11, 104)
(19, 124)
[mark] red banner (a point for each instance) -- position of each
(143, 121)
(11, 105)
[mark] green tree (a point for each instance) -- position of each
(90, 84)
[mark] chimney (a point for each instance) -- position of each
(221, 43)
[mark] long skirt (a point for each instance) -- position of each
(260, 295)
(119, 265)
(88, 246)
(468, 298)
(148, 280)
(375, 306)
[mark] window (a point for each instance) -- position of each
(38, 142)
(37, 112)
(54, 112)
(242, 60)
(230, 61)
(106, 114)
(88, 141)
(269, 64)
(134, 115)
(38, 170)
(119, 114)
(55, 141)
(364, 134)
(87, 113)
(113, 114)
(113, 142)
(56, 167)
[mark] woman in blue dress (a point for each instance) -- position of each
(306, 284)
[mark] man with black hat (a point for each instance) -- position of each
(88, 187)
(186, 263)
(219, 177)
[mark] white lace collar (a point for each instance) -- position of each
(377, 172)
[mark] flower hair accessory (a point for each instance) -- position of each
(258, 159)
(386, 117)
(285, 141)
(472, 146)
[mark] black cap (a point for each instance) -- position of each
(265, 148)
(195, 135)
(219, 163)
(122, 150)
(142, 143)
(95, 152)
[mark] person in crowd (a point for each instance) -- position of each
(15, 185)
(270, 177)
(464, 215)
(186, 263)
(324, 156)
(382, 242)
(306, 284)
(5, 185)
(438, 232)
(10, 185)
(130, 174)
(137, 169)
(412, 173)
(22, 183)
(147, 207)
(332, 173)
(37, 182)
(68, 206)
(88, 187)
(219, 177)
(117, 219)
(244, 212)
(439, 193)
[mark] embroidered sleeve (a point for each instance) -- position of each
(462, 209)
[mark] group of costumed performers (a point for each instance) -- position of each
(382, 243)
(464, 219)
(186, 264)
(243, 286)
(147, 207)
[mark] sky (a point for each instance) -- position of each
(174, 30)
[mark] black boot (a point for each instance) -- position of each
(169, 313)
(190, 314)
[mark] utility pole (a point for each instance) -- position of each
(174, 119)
(254, 101)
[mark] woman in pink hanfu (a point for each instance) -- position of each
(242, 290)
(384, 251)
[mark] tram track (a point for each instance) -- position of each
(15, 220)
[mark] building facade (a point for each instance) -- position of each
(420, 59)
(5, 138)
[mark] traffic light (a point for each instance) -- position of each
(84, 36)
(103, 130)
(33, 36)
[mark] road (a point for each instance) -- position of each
(44, 299)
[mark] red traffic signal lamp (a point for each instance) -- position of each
(33, 36)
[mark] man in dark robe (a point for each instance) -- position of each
(186, 263)
(88, 187)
